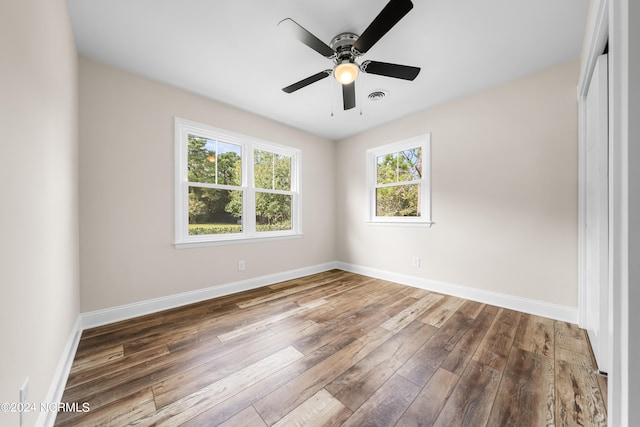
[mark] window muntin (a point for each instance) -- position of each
(233, 187)
(399, 182)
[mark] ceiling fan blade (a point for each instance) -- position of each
(393, 12)
(300, 33)
(349, 96)
(405, 72)
(306, 82)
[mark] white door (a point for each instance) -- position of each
(597, 215)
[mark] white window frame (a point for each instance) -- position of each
(182, 239)
(423, 141)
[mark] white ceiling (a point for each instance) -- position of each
(234, 52)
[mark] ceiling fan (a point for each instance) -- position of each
(345, 48)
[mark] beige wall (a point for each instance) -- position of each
(39, 278)
(504, 192)
(126, 188)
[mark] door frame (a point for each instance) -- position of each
(610, 21)
(597, 184)
(598, 36)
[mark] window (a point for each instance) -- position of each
(231, 187)
(399, 182)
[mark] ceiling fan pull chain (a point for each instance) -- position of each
(359, 103)
(331, 91)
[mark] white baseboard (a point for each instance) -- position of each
(128, 311)
(56, 389)
(525, 305)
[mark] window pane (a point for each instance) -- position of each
(386, 168)
(213, 211)
(400, 200)
(263, 169)
(271, 171)
(273, 212)
(282, 172)
(214, 162)
(402, 166)
(201, 160)
(410, 165)
(229, 164)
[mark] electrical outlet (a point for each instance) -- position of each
(415, 261)
(241, 265)
(24, 397)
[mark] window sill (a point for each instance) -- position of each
(233, 241)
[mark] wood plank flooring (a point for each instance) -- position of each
(333, 349)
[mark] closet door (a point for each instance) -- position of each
(597, 214)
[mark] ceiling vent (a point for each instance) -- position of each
(378, 95)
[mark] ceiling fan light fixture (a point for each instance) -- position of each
(346, 72)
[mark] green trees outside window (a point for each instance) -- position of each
(272, 173)
(219, 210)
(398, 178)
(214, 210)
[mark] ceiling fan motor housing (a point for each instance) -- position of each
(342, 44)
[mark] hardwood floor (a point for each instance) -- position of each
(335, 348)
